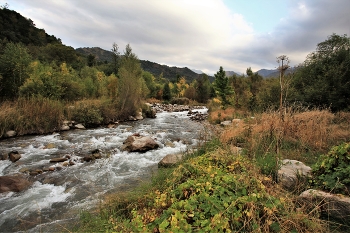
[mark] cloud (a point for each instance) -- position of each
(200, 34)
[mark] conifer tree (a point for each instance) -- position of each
(223, 90)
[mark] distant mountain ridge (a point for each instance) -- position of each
(154, 68)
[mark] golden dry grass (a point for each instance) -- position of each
(315, 130)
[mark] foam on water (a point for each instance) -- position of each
(38, 197)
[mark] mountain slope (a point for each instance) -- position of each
(156, 69)
(18, 29)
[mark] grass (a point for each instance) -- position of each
(216, 190)
(31, 116)
(213, 191)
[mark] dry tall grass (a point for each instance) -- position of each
(307, 130)
(29, 116)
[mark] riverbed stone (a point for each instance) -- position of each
(13, 183)
(14, 156)
(58, 160)
(138, 143)
(79, 126)
(65, 128)
(10, 133)
(50, 146)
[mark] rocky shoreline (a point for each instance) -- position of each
(154, 109)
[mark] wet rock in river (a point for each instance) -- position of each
(137, 143)
(14, 183)
(58, 160)
(14, 156)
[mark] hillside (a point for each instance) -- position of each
(156, 69)
(16, 28)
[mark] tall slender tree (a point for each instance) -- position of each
(223, 90)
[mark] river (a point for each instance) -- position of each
(55, 200)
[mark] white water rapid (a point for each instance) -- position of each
(54, 200)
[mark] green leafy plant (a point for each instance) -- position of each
(332, 171)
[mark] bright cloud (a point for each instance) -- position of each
(199, 34)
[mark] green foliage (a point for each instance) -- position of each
(130, 84)
(51, 83)
(323, 79)
(166, 92)
(88, 114)
(222, 87)
(150, 83)
(203, 86)
(18, 29)
(13, 69)
(213, 192)
(332, 171)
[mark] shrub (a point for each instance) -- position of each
(332, 171)
(87, 113)
(180, 101)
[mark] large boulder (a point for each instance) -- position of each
(291, 173)
(333, 205)
(171, 160)
(14, 156)
(14, 183)
(137, 143)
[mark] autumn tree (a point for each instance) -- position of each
(129, 85)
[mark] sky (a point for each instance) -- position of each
(198, 34)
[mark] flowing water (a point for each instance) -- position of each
(56, 198)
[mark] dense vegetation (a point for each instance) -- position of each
(299, 115)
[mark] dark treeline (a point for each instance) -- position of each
(34, 64)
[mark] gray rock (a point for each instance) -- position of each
(170, 160)
(137, 143)
(291, 173)
(10, 134)
(79, 126)
(226, 123)
(334, 205)
(65, 128)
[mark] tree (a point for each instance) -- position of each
(130, 86)
(324, 77)
(91, 60)
(13, 69)
(283, 65)
(115, 57)
(203, 89)
(166, 92)
(223, 90)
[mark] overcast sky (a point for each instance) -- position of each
(199, 34)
